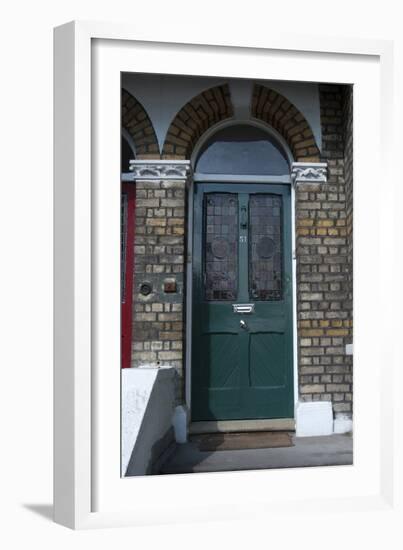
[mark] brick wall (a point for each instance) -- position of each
(158, 333)
(324, 302)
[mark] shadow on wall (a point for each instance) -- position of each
(148, 404)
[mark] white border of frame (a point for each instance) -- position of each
(85, 478)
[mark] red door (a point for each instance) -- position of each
(128, 205)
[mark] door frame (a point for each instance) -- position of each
(220, 178)
(126, 307)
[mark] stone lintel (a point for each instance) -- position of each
(308, 172)
(160, 169)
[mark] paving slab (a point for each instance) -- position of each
(332, 450)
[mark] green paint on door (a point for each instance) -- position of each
(242, 363)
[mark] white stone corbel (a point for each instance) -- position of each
(308, 172)
(159, 169)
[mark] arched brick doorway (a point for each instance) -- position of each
(277, 111)
(242, 312)
(138, 125)
(197, 116)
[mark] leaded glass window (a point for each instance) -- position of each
(265, 247)
(221, 246)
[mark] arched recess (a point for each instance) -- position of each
(197, 116)
(138, 125)
(274, 109)
(242, 148)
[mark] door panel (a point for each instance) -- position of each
(222, 368)
(218, 378)
(266, 360)
(242, 362)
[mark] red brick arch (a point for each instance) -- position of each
(197, 116)
(274, 109)
(137, 123)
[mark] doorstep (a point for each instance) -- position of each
(261, 424)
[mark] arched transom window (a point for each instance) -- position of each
(242, 149)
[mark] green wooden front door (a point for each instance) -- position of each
(242, 302)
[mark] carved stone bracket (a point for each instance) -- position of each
(308, 172)
(160, 169)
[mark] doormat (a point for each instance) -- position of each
(241, 440)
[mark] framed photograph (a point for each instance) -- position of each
(221, 237)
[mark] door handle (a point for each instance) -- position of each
(243, 324)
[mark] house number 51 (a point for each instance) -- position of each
(242, 239)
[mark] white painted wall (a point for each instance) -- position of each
(313, 418)
(343, 423)
(163, 96)
(148, 402)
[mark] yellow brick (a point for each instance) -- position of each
(311, 159)
(324, 323)
(324, 223)
(156, 221)
(312, 332)
(337, 332)
(305, 223)
(321, 231)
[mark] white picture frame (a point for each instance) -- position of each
(88, 489)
